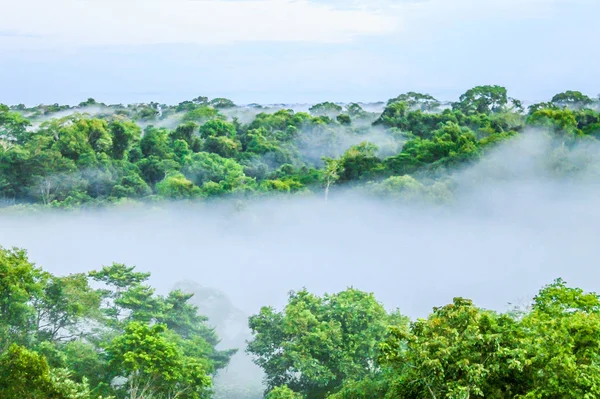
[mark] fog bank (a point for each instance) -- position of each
(494, 247)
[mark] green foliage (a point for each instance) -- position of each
(220, 103)
(201, 114)
(154, 365)
(62, 339)
(26, 374)
(423, 102)
(453, 354)
(20, 283)
(571, 98)
(83, 160)
(217, 128)
(359, 162)
(13, 126)
(124, 134)
(325, 108)
(176, 186)
(461, 351)
(482, 100)
(283, 392)
(317, 342)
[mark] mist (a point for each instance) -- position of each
(510, 229)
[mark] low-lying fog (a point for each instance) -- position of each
(499, 246)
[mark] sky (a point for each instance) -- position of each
(293, 51)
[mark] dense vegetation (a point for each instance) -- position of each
(101, 334)
(94, 153)
(106, 334)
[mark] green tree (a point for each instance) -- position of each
(220, 103)
(359, 161)
(203, 167)
(572, 99)
(331, 174)
(561, 344)
(325, 108)
(217, 128)
(482, 100)
(26, 374)
(176, 186)
(154, 366)
(460, 351)
(184, 132)
(318, 342)
(423, 102)
(63, 306)
(283, 392)
(20, 283)
(561, 122)
(13, 126)
(124, 134)
(155, 142)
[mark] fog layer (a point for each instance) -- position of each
(499, 242)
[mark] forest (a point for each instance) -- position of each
(110, 333)
(94, 155)
(106, 334)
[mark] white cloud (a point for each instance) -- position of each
(139, 22)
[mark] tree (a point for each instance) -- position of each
(155, 142)
(217, 128)
(184, 132)
(203, 167)
(460, 351)
(318, 342)
(222, 145)
(333, 168)
(561, 347)
(154, 366)
(124, 135)
(153, 168)
(283, 392)
(26, 374)
(13, 126)
(355, 110)
(359, 161)
(23, 374)
(176, 186)
(344, 119)
(423, 102)
(450, 144)
(124, 294)
(64, 303)
(220, 103)
(394, 115)
(571, 99)
(20, 283)
(482, 99)
(561, 122)
(90, 101)
(326, 108)
(201, 114)
(71, 137)
(402, 187)
(131, 185)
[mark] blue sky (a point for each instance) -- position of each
(269, 51)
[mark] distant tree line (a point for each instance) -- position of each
(95, 154)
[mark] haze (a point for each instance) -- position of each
(509, 231)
